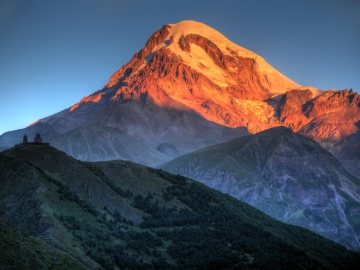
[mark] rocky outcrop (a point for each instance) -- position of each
(333, 116)
(157, 38)
(168, 148)
(292, 102)
(331, 100)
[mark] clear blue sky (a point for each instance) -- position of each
(54, 52)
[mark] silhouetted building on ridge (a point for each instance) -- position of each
(25, 140)
(37, 138)
(37, 141)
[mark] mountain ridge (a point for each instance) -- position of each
(284, 174)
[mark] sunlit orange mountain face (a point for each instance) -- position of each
(191, 87)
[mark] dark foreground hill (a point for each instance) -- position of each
(121, 214)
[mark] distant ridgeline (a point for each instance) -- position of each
(37, 140)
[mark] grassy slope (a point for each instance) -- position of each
(20, 251)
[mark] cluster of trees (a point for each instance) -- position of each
(162, 216)
(98, 244)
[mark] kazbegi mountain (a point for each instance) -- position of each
(188, 88)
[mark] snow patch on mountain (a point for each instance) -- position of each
(193, 27)
(184, 28)
(315, 91)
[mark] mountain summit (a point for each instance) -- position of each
(191, 64)
(204, 64)
(188, 88)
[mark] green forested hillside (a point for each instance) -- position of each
(119, 214)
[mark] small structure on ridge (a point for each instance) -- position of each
(37, 138)
(37, 141)
(25, 140)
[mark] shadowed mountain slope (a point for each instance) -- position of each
(286, 175)
(121, 214)
(348, 153)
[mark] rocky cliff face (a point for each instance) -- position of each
(347, 151)
(286, 175)
(331, 118)
(291, 104)
(334, 119)
(333, 115)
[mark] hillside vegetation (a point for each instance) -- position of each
(118, 214)
(20, 251)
